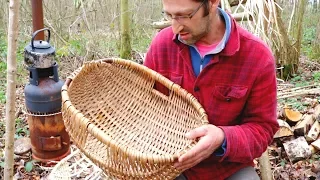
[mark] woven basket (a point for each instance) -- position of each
(125, 126)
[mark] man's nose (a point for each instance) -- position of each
(176, 26)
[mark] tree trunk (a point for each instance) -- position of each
(298, 35)
(288, 49)
(314, 6)
(11, 87)
(284, 49)
(125, 51)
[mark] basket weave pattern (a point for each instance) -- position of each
(132, 131)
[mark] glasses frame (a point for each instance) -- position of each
(179, 18)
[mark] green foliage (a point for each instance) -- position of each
(141, 37)
(310, 43)
(302, 83)
(2, 97)
(3, 66)
(21, 71)
(22, 129)
(2, 164)
(296, 103)
(299, 81)
(2, 128)
(77, 45)
(296, 78)
(3, 47)
(62, 52)
(29, 165)
(283, 162)
(316, 76)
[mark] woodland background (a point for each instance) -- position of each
(88, 30)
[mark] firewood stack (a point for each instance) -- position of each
(302, 130)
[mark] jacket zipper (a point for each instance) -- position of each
(201, 64)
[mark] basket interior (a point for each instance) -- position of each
(120, 100)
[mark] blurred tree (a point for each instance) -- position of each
(125, 47)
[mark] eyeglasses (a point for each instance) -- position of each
(184, 17)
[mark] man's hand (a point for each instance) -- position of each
(211, 138)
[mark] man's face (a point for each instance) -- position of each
(188, 19)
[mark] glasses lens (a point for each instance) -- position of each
(166, 16)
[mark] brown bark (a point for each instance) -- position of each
(125, 50)
(11, 88)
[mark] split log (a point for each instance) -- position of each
(316, 114)
(316, 144)
(303, 126)
(314, 132)
(313, 149)
(291, 115)
(285, 129)
(297, 149)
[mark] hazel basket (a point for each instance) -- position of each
(117, 118)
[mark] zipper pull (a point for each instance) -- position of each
(201, 64)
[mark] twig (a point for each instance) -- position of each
(51, 27)
(291, 18)
(315, 91)
(18, 112)
(73, 24)
(302, 87)
(85, 18)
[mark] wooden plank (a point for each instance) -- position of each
(285, 129)
(297, 149)
(316, 114)
(314, 132)
(303, 126)
(316, 144)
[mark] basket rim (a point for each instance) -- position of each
(100, 135)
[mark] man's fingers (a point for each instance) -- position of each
(203, 149)
(188, 163)
(194, 152)
(198, 132)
